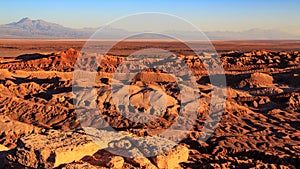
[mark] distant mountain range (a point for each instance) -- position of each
(27, 28)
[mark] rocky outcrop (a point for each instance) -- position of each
(63, 61)
(51, 149)
(171, 159)
(12, 130)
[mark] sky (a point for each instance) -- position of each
(218, 15)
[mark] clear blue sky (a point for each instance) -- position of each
(235, 15)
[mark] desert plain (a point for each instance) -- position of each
(40, 116)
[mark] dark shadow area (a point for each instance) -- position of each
(290, 78)
(18, 81)
(27, 57)
(273, 159)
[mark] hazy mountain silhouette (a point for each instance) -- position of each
(27, 28)
(27, 23)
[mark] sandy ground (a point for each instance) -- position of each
(16, 47)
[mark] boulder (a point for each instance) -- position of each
(51, 149)
(261, 79)
(115, 162)
(171, 159)
(105, 159)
